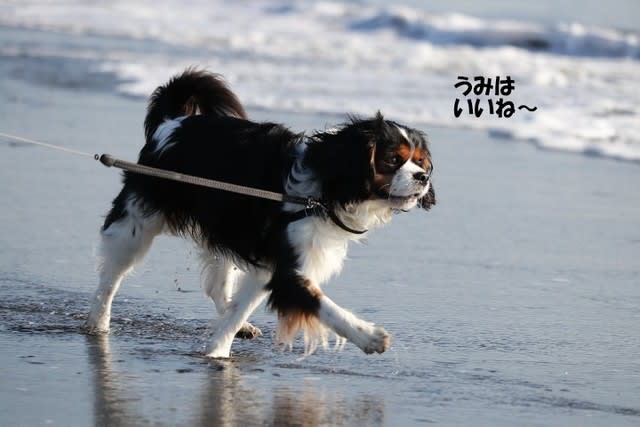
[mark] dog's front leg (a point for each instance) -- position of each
(305, 262)
(301, 305)
(369, 337)
(304, 307)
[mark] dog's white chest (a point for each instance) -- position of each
(320, 247)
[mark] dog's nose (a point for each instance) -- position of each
(422, 177)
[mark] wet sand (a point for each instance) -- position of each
(514, 301)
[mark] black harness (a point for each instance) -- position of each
(315, 207)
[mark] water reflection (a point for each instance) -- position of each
(225, 400)
(225, 393)
(313, 406)
(112, 405)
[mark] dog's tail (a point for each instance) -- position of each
(192, 92)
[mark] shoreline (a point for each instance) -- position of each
(513, 299)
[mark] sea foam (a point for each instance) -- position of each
(339, 58)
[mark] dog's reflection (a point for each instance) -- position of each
(112, 405)
(227, 401)
(226, 394)
(313, 406)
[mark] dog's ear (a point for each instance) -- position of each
(429, 199)
(343, 161)
(380, 129)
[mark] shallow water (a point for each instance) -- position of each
(515, 301)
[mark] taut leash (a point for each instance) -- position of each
(46, 145)
(110, 161)
(311, 205)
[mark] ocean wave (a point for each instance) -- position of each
(138, 19)
(452, 29)
(339, 58)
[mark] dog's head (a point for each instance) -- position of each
(373, 159)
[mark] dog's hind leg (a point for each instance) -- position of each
(221, 276)
(219, 279)
(126, 237)
(246, 299)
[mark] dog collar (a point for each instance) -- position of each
(320, 209)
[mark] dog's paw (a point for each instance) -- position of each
(248, 332)
(94, 329)
(371, 338)
(97, 325)
(378, 341)
(220, 348)
(218, 354)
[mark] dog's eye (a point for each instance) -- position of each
(395, 160)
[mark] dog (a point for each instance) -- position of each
(363, 172)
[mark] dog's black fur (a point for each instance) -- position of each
(212, 138)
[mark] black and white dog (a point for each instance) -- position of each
(363, 172)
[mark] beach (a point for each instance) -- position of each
(514, 301)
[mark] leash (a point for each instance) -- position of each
(311, 205)
(110, 161)
(44, 144)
